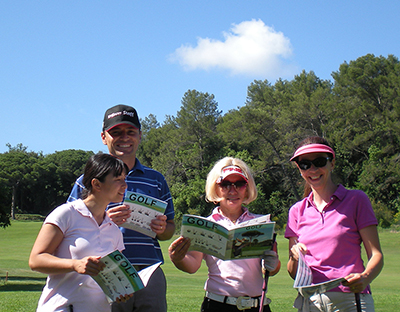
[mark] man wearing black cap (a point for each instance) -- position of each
(121, 133)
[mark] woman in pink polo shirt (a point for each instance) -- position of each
(75, 236)
(328, 227)
(230, 185)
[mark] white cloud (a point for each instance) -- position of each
(250, 48)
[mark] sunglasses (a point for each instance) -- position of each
(317, 162)
(238, 185)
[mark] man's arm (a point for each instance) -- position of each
(168, 232)
(76, 192)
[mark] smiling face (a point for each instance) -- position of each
(232, 197)
(317, 177)
(123, 141)
(113, 188)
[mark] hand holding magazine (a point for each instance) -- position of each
(248, 240)
(119, 277)
(303, 281)
(143, 208)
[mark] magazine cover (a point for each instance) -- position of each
(303, 281)
(119, 277)
(143, 208)
(248, 240)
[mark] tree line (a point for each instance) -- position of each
(358, 112)
(34, 183)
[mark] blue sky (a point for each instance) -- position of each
(63, 63)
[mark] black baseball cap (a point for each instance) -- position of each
(120, 114)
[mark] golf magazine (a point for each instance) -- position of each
(143, 208)
(248, 240)
(303, 281)
(119, 277)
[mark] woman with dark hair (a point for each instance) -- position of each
(328, 227)
(75, 236)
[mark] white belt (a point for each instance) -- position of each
(241, 302)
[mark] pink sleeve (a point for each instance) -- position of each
(291, 225)
(365, 213)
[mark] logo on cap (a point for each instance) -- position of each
(229, 170)
(120, 114)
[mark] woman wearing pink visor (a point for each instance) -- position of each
(327, 227)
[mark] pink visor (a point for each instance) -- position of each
(313, 148)
(229, 170)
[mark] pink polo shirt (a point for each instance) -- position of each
(233, 277)
(332, 236)
(82, 237)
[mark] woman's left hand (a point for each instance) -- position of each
(357, 282)
(270, 260)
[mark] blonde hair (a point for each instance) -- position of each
(215, 173)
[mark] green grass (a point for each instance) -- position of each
(185, 291)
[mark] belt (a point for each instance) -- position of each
(242, 302)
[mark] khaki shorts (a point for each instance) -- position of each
(335, 302)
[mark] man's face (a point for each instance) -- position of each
(122, 141)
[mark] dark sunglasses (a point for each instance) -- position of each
(317, 162)
(238, 185)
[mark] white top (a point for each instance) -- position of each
(82, 237)
(240, 277)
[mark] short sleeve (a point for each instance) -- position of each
(60, 217)
(365, 215)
